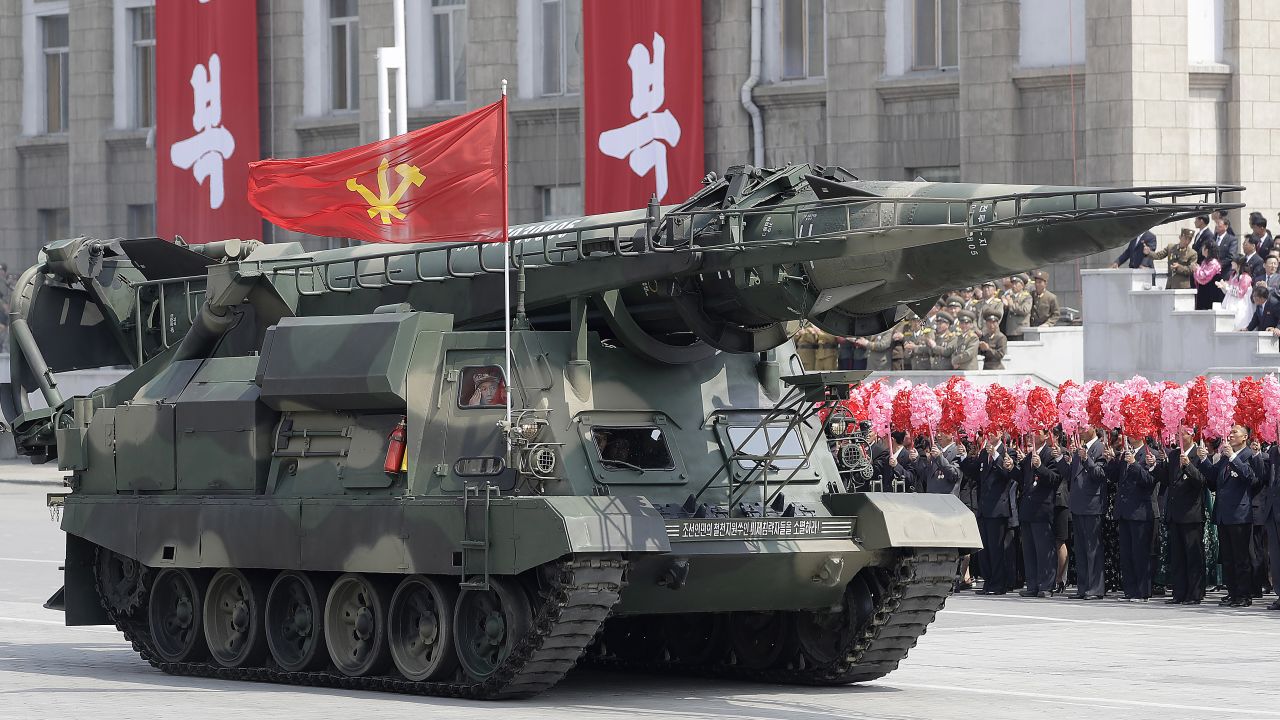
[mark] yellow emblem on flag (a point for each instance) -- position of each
(385, 203)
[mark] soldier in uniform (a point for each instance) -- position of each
(943, 343)
(964, 356)
(807, 346)
(915, 353)
(1182, 261)
(992, 344)
(879, 349)
(1017, 308)
(1044, 304)
(825, 357)
(990, 304)
(968, 301)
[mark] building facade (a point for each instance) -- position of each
(1067, 92)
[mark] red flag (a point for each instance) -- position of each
(443, 182)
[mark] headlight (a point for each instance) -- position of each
(837, 426)
(542, 461)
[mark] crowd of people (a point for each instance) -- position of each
(961, 328)
(1103, 512)
(1241, 275)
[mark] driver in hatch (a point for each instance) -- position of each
(489, 391)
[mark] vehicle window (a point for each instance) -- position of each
(482, 387)
(749, 440)
(643, 448)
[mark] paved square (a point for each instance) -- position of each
(983, 658)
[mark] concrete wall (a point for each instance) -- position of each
(1131, 329)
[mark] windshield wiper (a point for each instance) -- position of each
(623, 463)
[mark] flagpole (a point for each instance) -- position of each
(506, 264)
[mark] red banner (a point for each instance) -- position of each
(206, 118)
(642, 95)
(446, 181)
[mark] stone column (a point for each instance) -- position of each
(1253, 105)
(726, 63)
(91, 115)
(855, 60)
(988, 99)
(16, 245)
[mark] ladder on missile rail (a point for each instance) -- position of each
(474, 560)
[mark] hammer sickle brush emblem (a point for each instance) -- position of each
(385, 202)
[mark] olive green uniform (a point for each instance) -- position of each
(994, 306)
(1182, 261)
(997, 346)
(807, 347)
(1017, 312)
(944, 347)
(1044, 309)
(880, 351)
(964, 355)
(828, 353)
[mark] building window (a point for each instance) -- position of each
(53, 224)
(561, 201)
(559, 32)
(449, 57)
(56, 44)
(935, 26)
(142, 36)
(142, 221)
(344, 55)
(804, 35)
(941, 173)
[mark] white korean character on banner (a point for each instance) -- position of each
(204, 152)
(638, 141)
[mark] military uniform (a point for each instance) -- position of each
(1044, 309)
(880, 351)
(917, 358)
(997, 346)
(1182, 260)
(944, 345)
(964, 353)
(807, 346)
(827, 355)
(1017, 312)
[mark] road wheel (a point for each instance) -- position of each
(488, 624)
(355, 625)
(174, 616)
(234, 615)
(295, 621)
(421, 628)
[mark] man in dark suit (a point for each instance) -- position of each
(995, 478)
(1266, 311)
(895, 469)
(1225, 245)
(1270, 494)
(1038, 481)
(1232, 477)
(1259, 584)
(1262, 237)
(1084, 475)
(1253, 262)
(1184, 513)
(1203, 237)
(1131, 473)
(1134, 256)
(938, 469)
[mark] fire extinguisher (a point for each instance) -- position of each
(395, 449)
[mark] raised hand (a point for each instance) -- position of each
(1035, 460)
(912, 455)
(935, 453)
(1128, 457)
(1008, 462)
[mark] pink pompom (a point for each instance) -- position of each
(1270, 407)
(1023, 423)
(1073, 414)
(1222, 408)
(926, 410)
(1173, 412)
(1110, 402)
(974, 400)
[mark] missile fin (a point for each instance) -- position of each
(828, 189)
(831, 297)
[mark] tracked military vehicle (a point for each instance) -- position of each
(311, 475)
